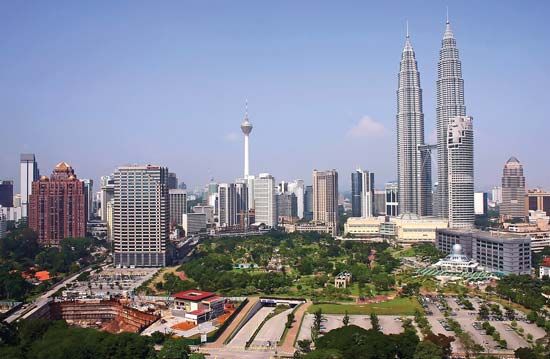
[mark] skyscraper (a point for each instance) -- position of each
(57, 206)
(178, 205)
(29, 173)
(6, 193)
(513, 190)
(325, 198)
(265, 200)
(413, 165)
(141, 216)
(89, 198)
(356, 190)
(297, 187)
(392, 199)
(450, 103)
(308, 203)
(227, 205)
(362, 193)
(460, 164)
(172, 181)
(107, 194)
(241, 190)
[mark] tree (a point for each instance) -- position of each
(443, 342)
(428, 350)
(483, 312)
(345, 320)
(318, 320)
(525, 353)
(304, 346)
(375, 322)
(174, 349)
(510, 313)
(197, 356)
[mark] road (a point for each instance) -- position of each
(246, 332)
(272, 330)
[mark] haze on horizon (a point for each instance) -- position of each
(104, 84)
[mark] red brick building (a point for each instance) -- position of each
(58, 206)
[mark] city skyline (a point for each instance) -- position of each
(350, 107)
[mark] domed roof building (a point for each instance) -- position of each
(456, 262)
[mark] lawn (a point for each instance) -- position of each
(398, 306)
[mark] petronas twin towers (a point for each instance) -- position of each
(454, 196)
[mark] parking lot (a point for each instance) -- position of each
(390, 324)
(470, 323)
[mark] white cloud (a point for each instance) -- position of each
(231, 137)
(367, 127)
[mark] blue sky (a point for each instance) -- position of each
(105, 83)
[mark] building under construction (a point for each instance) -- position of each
(109, 315)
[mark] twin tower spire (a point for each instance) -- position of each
(413, 155)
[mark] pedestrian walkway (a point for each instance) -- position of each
(233, 325)
(288, 345)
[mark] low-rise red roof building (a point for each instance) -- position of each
(198, 306)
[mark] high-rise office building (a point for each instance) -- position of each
(308, 203)
(481, 203)
(265, 200)
(297, 187)
(325, 198)
(107, 194)
(57, 206)
(172, 181)
(496, 195)
(513, 190)
(141, 216)
(450, 103)
(287, 206)
(392, 199)
(3, 225)
(379, 207)
(6, 193)
(241, 191)
(356, 191)
(29, 173)
(227, 205)
(413, 163)
(178, 205)
(460, 164)
(89, 198)
(538, 200)
(362, 193)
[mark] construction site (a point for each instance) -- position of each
(113, 316)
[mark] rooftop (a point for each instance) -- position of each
(193, 295)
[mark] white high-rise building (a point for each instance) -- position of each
(413, 163)
(141, 215)
(29, 173)
(450, 103)
(297, 187)
(367, 194)
(460, 150)
(265, 200)
(178, 205)
(227, 205)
